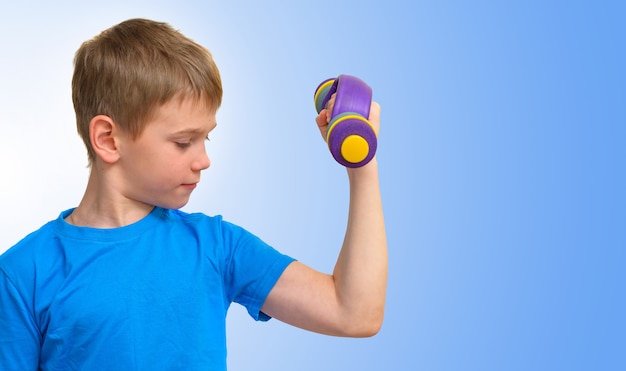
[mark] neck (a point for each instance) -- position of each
(102, 206)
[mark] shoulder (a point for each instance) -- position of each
(204, 223)
(196, 218)
(32, 245)
(34, 253)
(209, 233)
(195, 224)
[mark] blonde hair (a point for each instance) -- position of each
(130, 69)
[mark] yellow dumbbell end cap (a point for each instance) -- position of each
(354, 148)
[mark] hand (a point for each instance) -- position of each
(323, 119)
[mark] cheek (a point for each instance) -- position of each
(167, 163)
(152, 165)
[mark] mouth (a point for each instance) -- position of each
(189, 186)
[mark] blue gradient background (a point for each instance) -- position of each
(501, 156)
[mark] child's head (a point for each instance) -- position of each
(134, 67)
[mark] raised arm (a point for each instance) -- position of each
(351, 301)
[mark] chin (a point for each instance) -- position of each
(178, 206)
(172, 205)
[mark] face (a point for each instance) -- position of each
(162, 167)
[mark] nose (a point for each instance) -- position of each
(202, 161)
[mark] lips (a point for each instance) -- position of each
(189, 186)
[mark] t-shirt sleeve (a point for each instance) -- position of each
(19, 339)
(252, 269)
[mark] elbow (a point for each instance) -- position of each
(374, 325)
(364, 326)
(369, 330)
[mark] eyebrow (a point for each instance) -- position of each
(188, 131)
(192, 131)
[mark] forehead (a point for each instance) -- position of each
(183, 114)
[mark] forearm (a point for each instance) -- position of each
(360, 274)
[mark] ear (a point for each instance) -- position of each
(102, 133)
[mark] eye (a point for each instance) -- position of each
(207, 138)
(183, 144)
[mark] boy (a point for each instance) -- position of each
(125, 280)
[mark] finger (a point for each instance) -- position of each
(322, 118)
(374, 116)
(330, 105)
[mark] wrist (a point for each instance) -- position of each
(368, 170)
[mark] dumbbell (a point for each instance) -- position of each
(351, 138)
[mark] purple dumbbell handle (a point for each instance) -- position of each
(353, 95)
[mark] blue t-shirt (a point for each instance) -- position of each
(149, 296)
